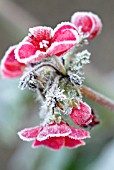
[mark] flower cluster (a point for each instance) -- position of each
(55, 136)
(51, 61)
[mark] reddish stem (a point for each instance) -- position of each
(97, 97)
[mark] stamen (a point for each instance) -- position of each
(44, 44)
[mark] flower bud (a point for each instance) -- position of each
(81, 116)
(89, 23)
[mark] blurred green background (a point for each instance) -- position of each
(18, 109)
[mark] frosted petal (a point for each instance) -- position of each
(29, 134)
(28, 53)
(71, 143)
(54, 130)
(55, 143)
(41, 33)
(81, 116)
(88, 22)
(78, 134)
(10, 67)
(60, 48)
(65, 31)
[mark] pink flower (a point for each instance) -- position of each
(81, 116)
(88, 22)
(42, 42)
(10, 67)
(54, 136)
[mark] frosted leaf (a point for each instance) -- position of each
(75, 78)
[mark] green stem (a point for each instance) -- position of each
(60, 65)
(46, 64)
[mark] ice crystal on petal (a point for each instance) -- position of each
(10, 67)
(41, 43)
(54, 130)
(55, 136)
(81, 116)
(71, 143)
(30, 133)
(88, 22)
(51, 63)
(55, 143)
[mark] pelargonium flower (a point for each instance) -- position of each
(55, 136)
(88, 22)
(10, 67)
(81, 116)
(42, 42)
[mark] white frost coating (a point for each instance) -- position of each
(98, 22)
(36, 29)
(41, 137)
(87, 106)
(32, 57)
(83, 57)
(6, 55)
(44, 43)
(89, 14)
(74, 32)
(55, 44)
(74, 135)
(45, 134)
(63, 24)
(24, 138)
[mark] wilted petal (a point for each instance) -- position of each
(10, 67)
(55, 143)
(78, 134)
(54, 130)
(72, 143)
(29, 134)
(81, 116)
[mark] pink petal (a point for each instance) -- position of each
(60, 48)
(33, 47)
(54, 130)
(83, 20)
(81, 116)
(65, 32)
(71, 143)
(55, 143)
(10, 74)
(10, 67)
(28, 53)
(88, 22)
(98, 26)
(29, 134)
(78, 134)
(41, 33)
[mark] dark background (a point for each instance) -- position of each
(18, 109)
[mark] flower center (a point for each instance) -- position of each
(44, 44)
